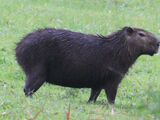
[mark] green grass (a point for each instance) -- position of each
(138, 96)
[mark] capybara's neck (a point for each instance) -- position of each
(118, 55)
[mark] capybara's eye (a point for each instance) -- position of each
(141, 34)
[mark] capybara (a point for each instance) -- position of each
(78, 60)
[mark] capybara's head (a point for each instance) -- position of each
(142, 41)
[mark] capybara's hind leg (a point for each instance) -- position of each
(94, 94)
(34, 79)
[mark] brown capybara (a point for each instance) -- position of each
(78, 60)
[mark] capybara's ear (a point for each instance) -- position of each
(129, 30)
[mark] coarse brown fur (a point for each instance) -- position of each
(80, 60)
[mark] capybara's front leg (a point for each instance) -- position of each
(111, 91)
(94, 94)
(34, 79)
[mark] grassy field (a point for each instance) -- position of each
(138, 96)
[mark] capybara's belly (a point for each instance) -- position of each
(74, 76)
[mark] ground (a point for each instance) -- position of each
(138, 96)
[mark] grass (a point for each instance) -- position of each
(138, 96)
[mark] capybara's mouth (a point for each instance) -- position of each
(157, 50)
(154, 51)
